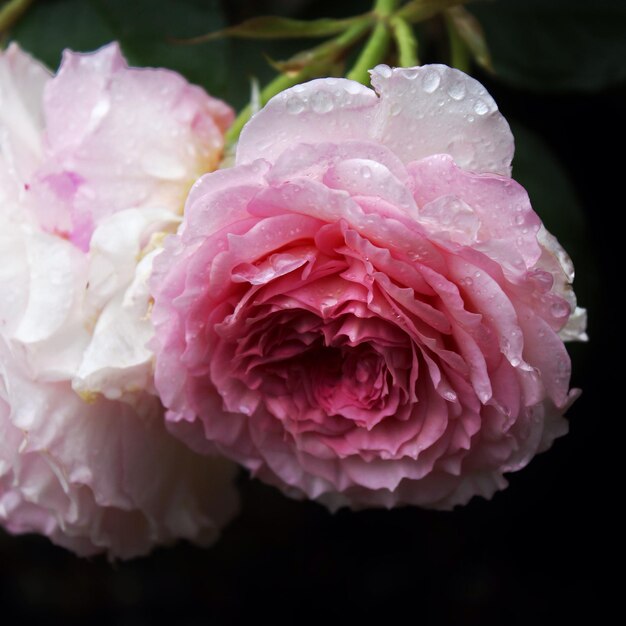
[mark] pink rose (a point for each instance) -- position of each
(85, 457)
(366, 310)
(100, 137)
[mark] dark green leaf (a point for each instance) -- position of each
(145, 30)
(274, 27)
(556, 45)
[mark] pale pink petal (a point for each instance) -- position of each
(22, 81)
(442, 111)
(127, 137)
(322, 110)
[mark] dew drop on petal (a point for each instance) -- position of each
(457, 90)
(295, 105)
(430, 80)
(321, 102)
(383, 70)
(560, 308)
(395, 109)
(481, 107)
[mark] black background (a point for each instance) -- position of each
(537, 553)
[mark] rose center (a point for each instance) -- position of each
(347, 382)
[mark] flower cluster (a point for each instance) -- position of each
(95, 163)
(364, 310)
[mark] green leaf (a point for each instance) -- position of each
(274, 27)
(552, 45)
(330, 51)
(49, 27)
(142, 28)
(145, 29)
(553, 197)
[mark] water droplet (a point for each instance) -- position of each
(515, 361)
(470, 118)
(383, 70)
(395, 109)
(295, 105)
(366, 172)
(100, 110)
(481, 107)
(463, 151)
(543, 280)
(560, 308)
(430, 80)
(321, 102)
(457, 90)
(519, 220)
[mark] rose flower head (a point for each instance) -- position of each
(366, 310)
(94, 163)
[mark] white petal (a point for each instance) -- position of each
(22, 81)
(435, 109)
(117, 361)
(576, 327)
(421, 111)
(55, 268)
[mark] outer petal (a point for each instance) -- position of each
(323, 110)
(42, 282)
(117, 360)
(22, 81)
(101, 477)
(440, 110)
(120, 137)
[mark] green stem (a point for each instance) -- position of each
(405, 40)
(376, 47)
(11, 12)
(459, 52)
(280, 83)
(329, 50)
(320, 57)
